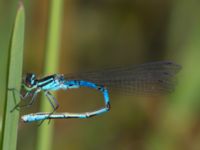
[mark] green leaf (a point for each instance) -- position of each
(45, 133)
(14, 71)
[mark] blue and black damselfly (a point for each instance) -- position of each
(149, 78)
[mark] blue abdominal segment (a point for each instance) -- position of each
(44, 115)
(34, 117)
(82, 83)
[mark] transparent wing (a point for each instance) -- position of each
(145, 78)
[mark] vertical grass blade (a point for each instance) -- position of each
(14, 71)
(45, 133)
(6, 26)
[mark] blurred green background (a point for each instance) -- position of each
(97, 34)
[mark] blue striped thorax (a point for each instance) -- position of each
(51, 82)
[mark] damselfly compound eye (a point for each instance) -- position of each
(30, 79)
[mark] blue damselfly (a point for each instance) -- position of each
(149, 78)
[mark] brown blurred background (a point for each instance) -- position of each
(107, 33)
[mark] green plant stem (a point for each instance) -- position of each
(45, 133)
(14, 71)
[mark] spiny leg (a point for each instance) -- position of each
(50, 98)
(33, 98)
(26, 105)
(21, 96)
(31, 101)
(14, 90)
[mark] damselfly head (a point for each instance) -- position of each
(30, 80)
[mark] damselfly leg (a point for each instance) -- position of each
(25, 96)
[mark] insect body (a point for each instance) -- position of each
(149, 78)
(33, 86)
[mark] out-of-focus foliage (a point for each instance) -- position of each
(51, 65)
(98, 34)
(13, 80)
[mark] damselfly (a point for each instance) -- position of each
(149, 78)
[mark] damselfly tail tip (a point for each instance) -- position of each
(24, 118)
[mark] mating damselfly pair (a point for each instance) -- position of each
(149, 78)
